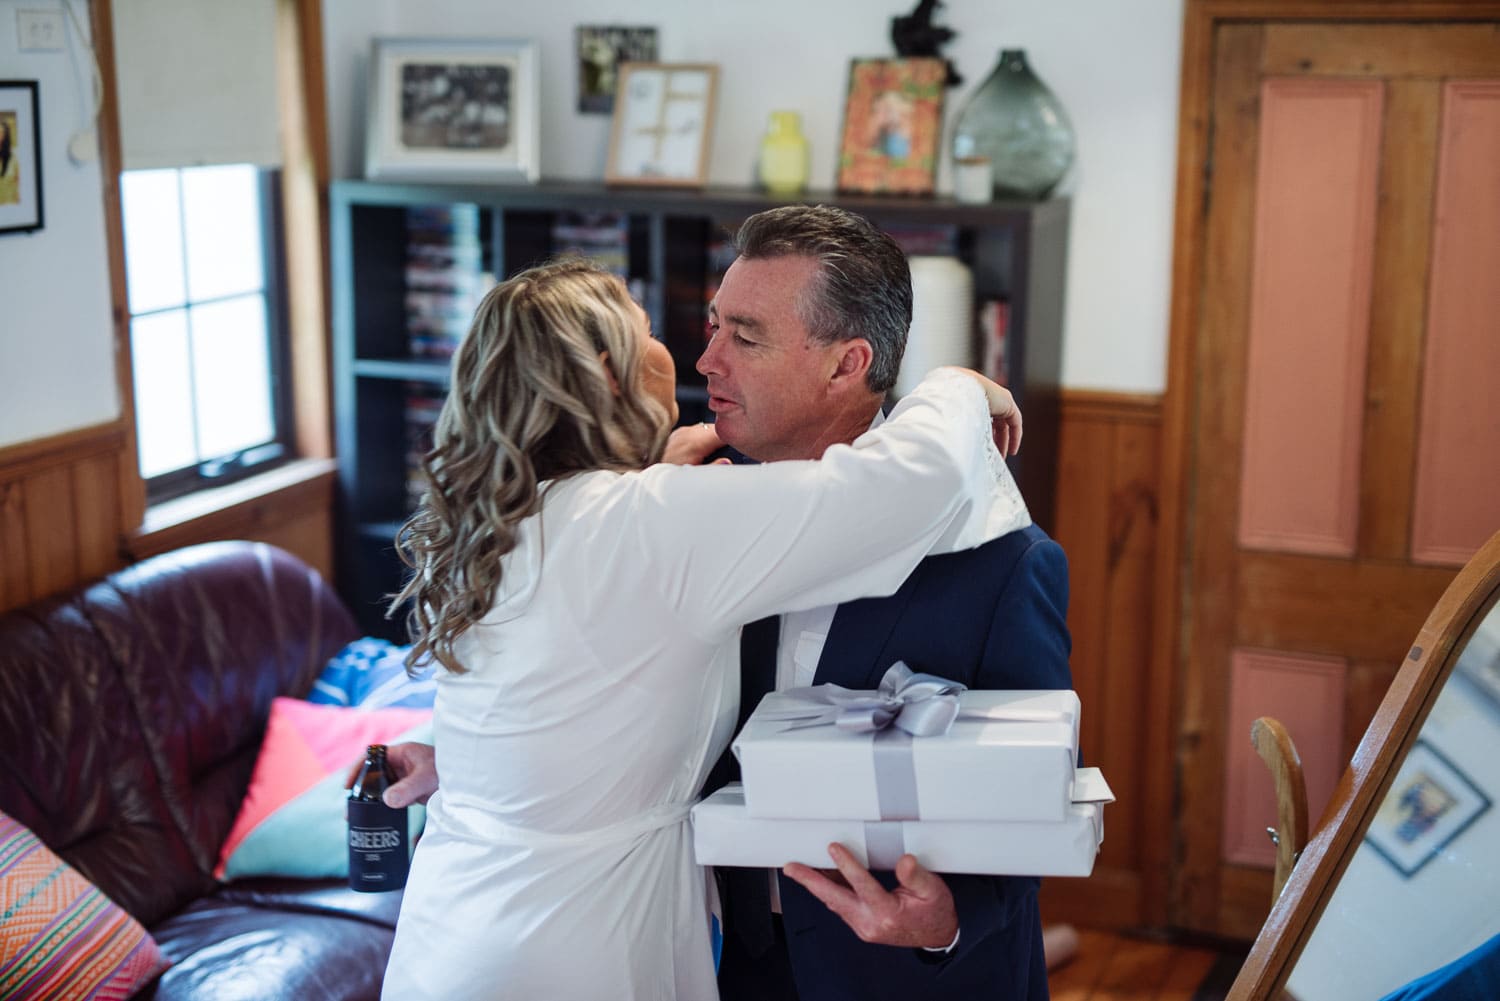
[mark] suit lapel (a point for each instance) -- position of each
(861, 631)
(758, 642)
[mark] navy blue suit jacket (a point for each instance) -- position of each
(994, 617)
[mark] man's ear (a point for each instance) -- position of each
(852, 363)
(609, 372)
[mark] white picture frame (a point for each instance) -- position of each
(663, 124)
(453, 110)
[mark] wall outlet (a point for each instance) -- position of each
(41, 30)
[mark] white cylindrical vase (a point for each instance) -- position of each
(942, 319)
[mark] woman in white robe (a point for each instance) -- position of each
(580, 708)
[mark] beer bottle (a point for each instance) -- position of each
(378, 850)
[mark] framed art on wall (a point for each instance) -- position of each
(20, 157)
(1428, 806)
(602, 50)
(893, 118)
(662, 125)
(453, 110)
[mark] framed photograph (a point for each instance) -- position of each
(602, 50)
(663, 122)
(453, 110)
(1428, 806)
(893, 121)
(20, 157)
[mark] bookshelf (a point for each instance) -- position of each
(409, 261)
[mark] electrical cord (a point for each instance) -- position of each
(83, 146)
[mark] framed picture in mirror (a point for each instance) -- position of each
(1429, 805)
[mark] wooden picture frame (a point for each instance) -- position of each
(893, 124)
(663, 123)
(453, 110)
(20, 157)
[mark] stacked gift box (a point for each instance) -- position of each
(985, 782)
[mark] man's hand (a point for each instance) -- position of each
(415, 768)
(918, 913)
(689, 446)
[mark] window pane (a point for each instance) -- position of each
(163, 392)
(222, 208)
(232, 369)
(153, 239)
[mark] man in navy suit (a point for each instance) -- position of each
(809, 326)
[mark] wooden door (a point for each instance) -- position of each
(1340, 450)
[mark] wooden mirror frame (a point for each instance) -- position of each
(1363, 786)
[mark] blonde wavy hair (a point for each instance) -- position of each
(532, 400)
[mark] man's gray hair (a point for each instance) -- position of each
(863, 287)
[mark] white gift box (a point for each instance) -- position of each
(725, 834)
(1010, 755)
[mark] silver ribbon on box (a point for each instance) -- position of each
(922, 705)
(885, 843)
(906, 705)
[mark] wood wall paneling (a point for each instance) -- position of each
(1457, 504)
(1109, 446)
(60, 502)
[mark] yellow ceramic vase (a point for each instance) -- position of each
(783, 155)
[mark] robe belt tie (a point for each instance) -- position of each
(469, 819)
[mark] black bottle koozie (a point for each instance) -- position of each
(379, 855)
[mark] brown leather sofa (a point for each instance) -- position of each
(131, 713)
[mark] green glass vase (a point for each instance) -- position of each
(1015, 121)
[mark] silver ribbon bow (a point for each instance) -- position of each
(906, 705)
(922, 705)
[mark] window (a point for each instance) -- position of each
(207, 325)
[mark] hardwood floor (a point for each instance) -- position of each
(1115, 967)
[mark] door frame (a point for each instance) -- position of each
(1167, 671)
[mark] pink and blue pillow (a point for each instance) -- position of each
(292, 821)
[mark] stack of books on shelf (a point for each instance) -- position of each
(602, 237)
(423, 403)
(993, 318)
(998, 792)
(925, 241)
(445, 276)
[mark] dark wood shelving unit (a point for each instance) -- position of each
(1017, 251)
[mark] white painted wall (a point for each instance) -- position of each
(57, 363)
(1114, 66)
